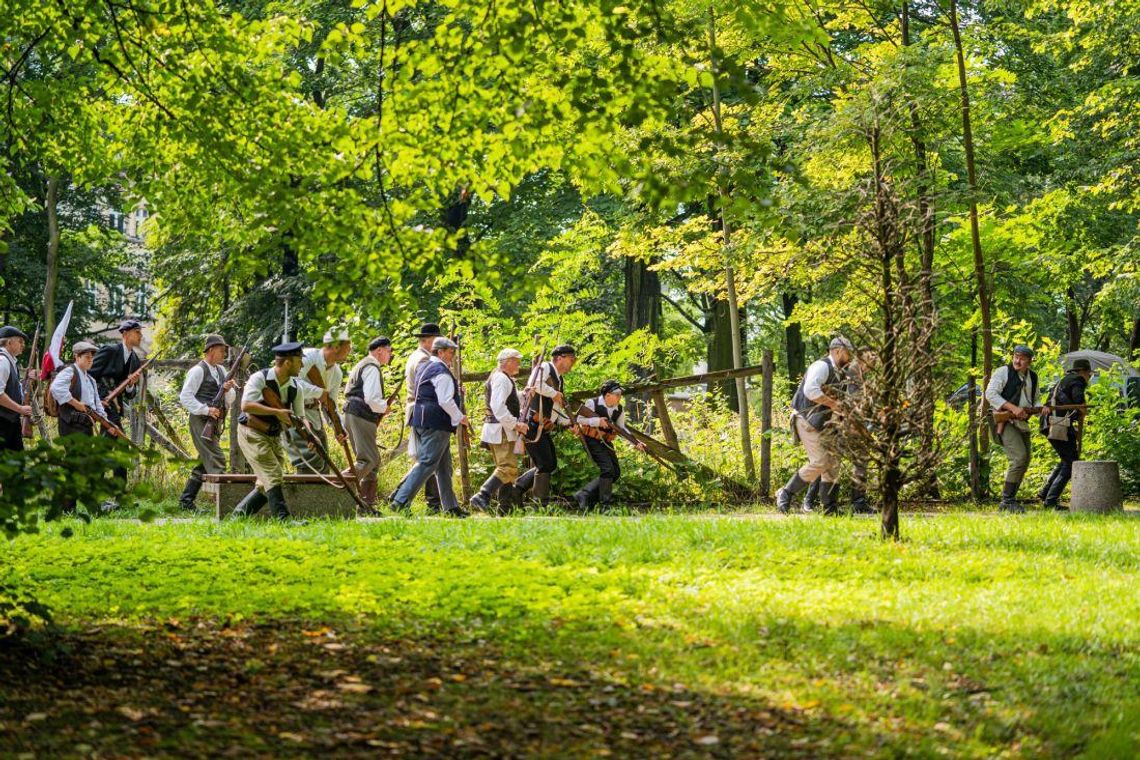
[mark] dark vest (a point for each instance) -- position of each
(554, 380)
(209, 388)
(601, 411)
(1011, 392)
(427, 413)
(271, 419)
(1070, 389)
(13, 389)
(355, 403)
(814, 414)
(512, 399)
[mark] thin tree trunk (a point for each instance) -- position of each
(51, 206)
(1134, 340)
(766, 425)
(1072, 320)
(975, 234)
(729, 274)
(793, 340)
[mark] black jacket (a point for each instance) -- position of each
(1070, 390)
(109, 368)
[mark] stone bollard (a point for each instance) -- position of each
(1096, 487)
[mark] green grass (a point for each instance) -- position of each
(976, 636)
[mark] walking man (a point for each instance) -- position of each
(74, 391)
(199, 391)
(1070, 390)
(13, 405)
(114, 363)
(501, 428)
(426, 336)
(319, 367)
(1013, 389)
(547, 408)
(598, 435)
(436, 416)
(816, 398)
(365, 406)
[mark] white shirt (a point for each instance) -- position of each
(599, 403)
(7, 363)
(88, 393)
(499, 422)
(255, 386)
(997, 382)
(332, 376)
(558, 414)
(815, 378)
(444, 385)
(371, 385)
(193, 383)
(415, 359)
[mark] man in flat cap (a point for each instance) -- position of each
(13, 405)
(114, 363)
(199, 391)
(597, 426)
(547, 409)
(319, 367)
(365, 405)
(1013, 388)
(817, 396)
(501, 428)
(261, 424)
(1061, 428)
(425, 336)
(436, 415)
(74, 391)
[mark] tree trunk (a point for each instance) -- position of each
(1134, 340)
(719, 352)
(734, 314)
(793, 340)
(766, 425)
(1072, 320)
(51, 206)
(642, 298)
(975, 234)
(454, 218)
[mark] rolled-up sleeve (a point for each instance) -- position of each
(814, 379)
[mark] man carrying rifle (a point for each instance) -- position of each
(1013, 389)
(204, 384)
(261, 423)
(547, 409)
(598, 431)
(319, 367)
(436, 415)
(501, 428)
(365, 406)
(13, 406)
(426, 336)
(114, 364)
(1059, 426)
(77, 394)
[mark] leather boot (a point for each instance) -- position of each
(190, 492)
(1009, 499)
(811, 495)
(785, 495)
(829, 498)
(605, 493)
(525, 482)
(541, 492)
(276, 497)
(859, 504)
(482, 500)
(505, 499)
(368, 487)
(251, 504)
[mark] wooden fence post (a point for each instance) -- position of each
(766, 426)
(661, 407)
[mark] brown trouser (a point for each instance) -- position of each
(506, 463)
(823, 463)
(265, 456)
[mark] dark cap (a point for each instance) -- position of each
(564, 350)
(215, 340)
(379, 343)
(1081, 364)
(428, 330)
(129, 324)
(611, 386)
(285, 350)
(7, 331)
(1024, 351)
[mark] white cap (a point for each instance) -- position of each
(441, 343)
(336, 337)
(83, 347)
(509, 353)
(840, 342)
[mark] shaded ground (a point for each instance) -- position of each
(198, 689)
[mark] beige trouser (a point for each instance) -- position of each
(362, 433)
(209, 452)
(506, 463)
(1017, 451)
(265, 455)
(822, 461)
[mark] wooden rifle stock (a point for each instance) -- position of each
(131, 378)
(528, 397)
(1002, 417)
(214, 427)
(110, 427)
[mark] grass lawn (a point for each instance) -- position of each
(978, 636)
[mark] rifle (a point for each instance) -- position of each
(214, 427)
(110, 427)
(464, 430)
(1001, 418)
(326, 402)
(528, 396)
(29, 388)
(393, 398)
(131, 378)
(271, 399)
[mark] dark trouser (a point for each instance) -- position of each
(72, 422)
(542, 453)
(1067, 451)
(115, 415)
(609, 470)
(11, 438)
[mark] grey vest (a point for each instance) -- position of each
(209, 388)
(813, 414)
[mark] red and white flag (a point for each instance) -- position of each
(51, 356)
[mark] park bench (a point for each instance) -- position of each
(307, 495)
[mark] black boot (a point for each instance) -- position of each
(605, 493)
(482, 500)
(541, 491)
(1043, 494)
(829, 498)
(190, 492)
(276, 498)
(251, 504)
(785, 495)
(811, 495)
(859, 505)
(505, 499)
(1009, 499)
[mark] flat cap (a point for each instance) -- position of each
(7, 331)
(380, 342)
(611, 386)
(129, 324)
(840, 342)
(215, 340)
(564, 350)
(509, 353)
(292, 348)
(336, 336)
(1024, 351)
(442, 344)
(428, 330)
(1081, 364)
(83, 347)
